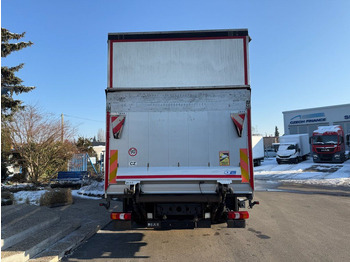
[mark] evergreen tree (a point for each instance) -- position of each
(11, 84)
(84, 145)
(277, 134)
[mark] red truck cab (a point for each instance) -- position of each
(328, 144)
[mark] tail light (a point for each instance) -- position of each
(120, 216)
(238, 215)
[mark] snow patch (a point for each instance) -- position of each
(94, 189)
(324, 129)
(29, 197)
(306, 172)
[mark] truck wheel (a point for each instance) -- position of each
(343, 158)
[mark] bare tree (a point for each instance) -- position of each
(36, 137)
(101, 135)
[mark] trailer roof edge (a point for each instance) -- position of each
(178, 34)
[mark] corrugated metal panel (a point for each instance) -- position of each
(169, 64)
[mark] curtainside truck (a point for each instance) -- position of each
(178, 128)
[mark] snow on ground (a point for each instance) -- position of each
(33, 197)
(305, 172)
(95, 190)
(18, 186)
(75, 193)
(29, 197)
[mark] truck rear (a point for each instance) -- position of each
(178, 134)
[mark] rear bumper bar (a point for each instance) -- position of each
(177, 188)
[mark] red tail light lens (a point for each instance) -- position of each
(238, 215)
(120, 216)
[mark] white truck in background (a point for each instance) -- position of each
(258, 149)
(178, 134)
(293, 148)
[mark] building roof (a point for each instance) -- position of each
(317, 108)
(97, 143)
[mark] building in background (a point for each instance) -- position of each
(99, 148)
(305, 121)
(269, 141)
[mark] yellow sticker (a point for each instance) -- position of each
(224, 158)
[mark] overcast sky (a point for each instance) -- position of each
(299, 53)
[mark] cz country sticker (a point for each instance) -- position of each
(132, 151)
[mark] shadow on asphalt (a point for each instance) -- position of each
(277, 186)
(106, 244)
(323, 168)
(315, 189)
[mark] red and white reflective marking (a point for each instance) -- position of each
(117, 125)
(238, 120)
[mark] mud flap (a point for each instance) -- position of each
(239, 223)
(204, 223)
(122, 225)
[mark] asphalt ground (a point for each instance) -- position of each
(296, 224)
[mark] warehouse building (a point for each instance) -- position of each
(305, 121)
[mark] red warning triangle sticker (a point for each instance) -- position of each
(238, 120)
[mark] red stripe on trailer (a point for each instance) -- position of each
(251, 171)
(244, 38)
(245, 60)
(178, 176)
(111, 64)
(107, 150)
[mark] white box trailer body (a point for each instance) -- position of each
(293, 148)
(178, 122)
(258, 149)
